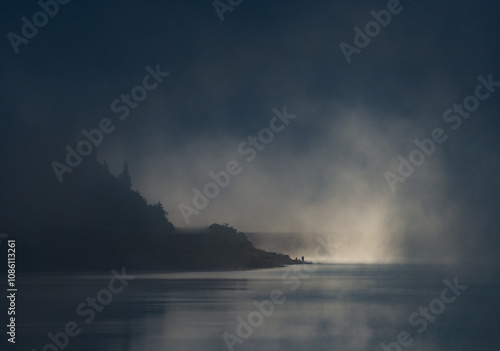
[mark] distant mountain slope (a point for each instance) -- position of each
(93, 221)
(145, 249)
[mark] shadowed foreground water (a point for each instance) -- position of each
(337, 307)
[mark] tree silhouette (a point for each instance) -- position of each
(124, 176)
(159, 209)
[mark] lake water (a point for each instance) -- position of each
(336, 307)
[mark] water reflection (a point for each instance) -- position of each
(338, 307)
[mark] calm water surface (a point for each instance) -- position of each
(336, 307)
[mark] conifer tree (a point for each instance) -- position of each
(124, 176)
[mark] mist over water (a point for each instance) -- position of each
(332, 185)
(116, 115)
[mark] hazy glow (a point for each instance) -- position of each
(334, 185)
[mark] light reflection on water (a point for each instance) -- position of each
(338, 307)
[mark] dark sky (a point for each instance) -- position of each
(324, 173)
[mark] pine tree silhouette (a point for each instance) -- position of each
(124, 176)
